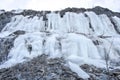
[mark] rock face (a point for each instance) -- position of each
(39, 68)
(5, 18)
(42, 68)
(100, 74)
(5, 47)
(98, 10)
(66, 45)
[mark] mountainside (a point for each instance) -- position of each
(86, 42)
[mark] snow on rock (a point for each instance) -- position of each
(108, 27)
(17, 11)
(52, 46)
(78, 70)
(80, 38)
(23, 23)
(81, 61)
(116, 21)
(2, 11)
(20, 51)
(100, 24)
(5, 34)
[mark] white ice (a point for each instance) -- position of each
(70, 37)
(78, 70)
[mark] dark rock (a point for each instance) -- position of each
(96, 42)
(5, 18)
(76, 10)
(42, 68)
(115, 72)
(19, 32)
(39, 68)
(115, 26)
(99, 10)
(100, 74)
(5, 46)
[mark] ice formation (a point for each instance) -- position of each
(78, 38)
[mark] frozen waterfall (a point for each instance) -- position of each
(80, 38)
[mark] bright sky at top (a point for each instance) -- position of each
(58, 4)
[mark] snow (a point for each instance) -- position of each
(81, 61)
(70, 37)
(78, 70)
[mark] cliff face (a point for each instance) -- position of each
(80, 36)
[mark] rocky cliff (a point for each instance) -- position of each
(86, 42)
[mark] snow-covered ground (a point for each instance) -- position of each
(74, 37)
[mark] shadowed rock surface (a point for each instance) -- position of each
(39, 68)
(42, 68)
(5, 18)
(5, 46)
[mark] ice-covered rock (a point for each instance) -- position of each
(81, 37)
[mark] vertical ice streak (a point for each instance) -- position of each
(80, 38)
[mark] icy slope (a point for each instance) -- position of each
(80, 38)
